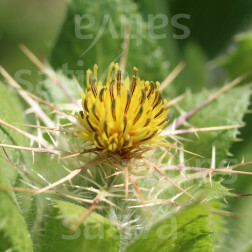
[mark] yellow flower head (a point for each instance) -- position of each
(121, 115)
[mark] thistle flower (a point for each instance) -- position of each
(121, 115)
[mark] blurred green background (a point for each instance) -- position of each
(218, 49)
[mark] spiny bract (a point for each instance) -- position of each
(121, 115)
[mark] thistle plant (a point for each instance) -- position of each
(119, 160)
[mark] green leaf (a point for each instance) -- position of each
(242, 233)
(247, 249)
(239, 233)
(89, 36)
(13, 232)
(238, 60)
(55, 94)
(229, 109)
(212, 191)
(205, 20)
(160, 10)
(238, 237)
(11, 111)
(188, 230)
(195, 73)
(95, 234)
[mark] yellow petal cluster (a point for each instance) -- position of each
(121, 114)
